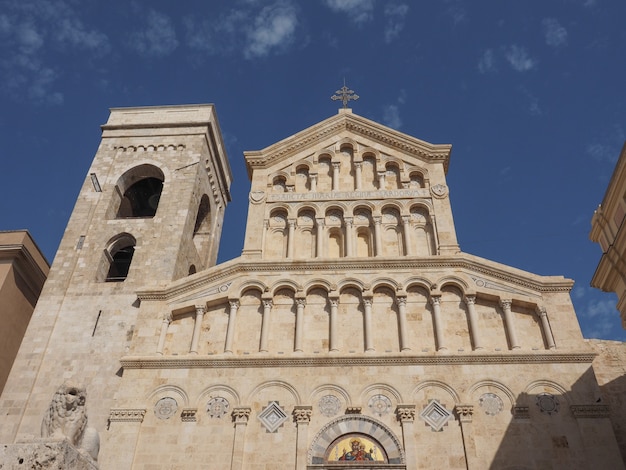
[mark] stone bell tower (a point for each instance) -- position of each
(150, 211)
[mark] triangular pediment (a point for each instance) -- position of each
(359, 127)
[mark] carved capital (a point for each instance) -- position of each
(406, 219)
(241, 414)
(234, 304)
(353, 410)
(435, 300)
(357, 164)
(267, 304)
(541, 311)
(336, 165)
(405, 413)
(200, 309)
(334, 302)
(367, 301)
(401, 301)
(291, 223)
(301, 302)
(505, 304)
(470, 300)
(377, 219)
(302, 414)
(167, 317)
(465, 413)
(348, 221)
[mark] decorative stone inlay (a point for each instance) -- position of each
(302, 414)
(548, 403)
(591, 411)
(491, 403)
(521, 412)
(465, 413)
(439, 190)
(379, 405)
(273, 416)
(329, 405)
(257, 196)
(188, 414)
(435, 415)
(405, 413)
(165, 408)
(353, 410)
(127, 414)
(241, 414)
(217, 407)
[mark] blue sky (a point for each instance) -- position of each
(530, 94)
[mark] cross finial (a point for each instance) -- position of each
(345, 94)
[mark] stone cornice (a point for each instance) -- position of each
(29, 269)
(473, 264)
(354, 123)
(214, 362)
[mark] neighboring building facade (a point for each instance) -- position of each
(352, 330)
(23, 271)
(608, 230)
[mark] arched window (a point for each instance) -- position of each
(119, 256)
(140, 191)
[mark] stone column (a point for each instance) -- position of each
(334, 305)
(197, 328)
(402, 325)
(367, 322)
(470, 301)
(313, 177)
(508, 323)
(465, 414)
(378, 236)
(265, 325)
(436, 303)
(290, 237)
(240, 418)
(336, 166)
(406, 416)
(321, 235)
(358, 180)
(230, 331)
(381, 180)
(406, 231)
(167, 319)
(302, 417)
(300, 303)
(545, 325)
(349, 236)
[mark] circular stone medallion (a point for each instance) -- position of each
(329, 405)
(165, 408)
(547, 403)
(491, 403)
(217, 407)
(379, 405)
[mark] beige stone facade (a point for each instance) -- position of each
(351, 331)
(607, 230)
(23, 271)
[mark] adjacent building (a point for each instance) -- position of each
(352, 330)
(23, 271)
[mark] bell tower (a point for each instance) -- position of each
(150, 211)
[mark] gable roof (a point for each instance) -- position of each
(334, 125)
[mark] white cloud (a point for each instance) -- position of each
(395, 13)
(157, 39)
(533, 102)
(358, 11)
(274, 28)
(391, 116)
(519, 59)
(487, 62)
(603, 313)
(602, 152)
(456, 10)
(556, 35)
(29, 31)
(607, 149)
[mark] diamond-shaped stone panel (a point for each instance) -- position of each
(273, 416)
(435, 415)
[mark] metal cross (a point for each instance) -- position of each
(345, 95)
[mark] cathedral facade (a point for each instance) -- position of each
(352, 332)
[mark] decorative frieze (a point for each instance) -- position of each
(127, 414)
(241, 414)
(590, 411)
(405, 413)
(521, 412)
(188, 415)
(302, 414)
(349, 195)
(353, 410)
(465, 412)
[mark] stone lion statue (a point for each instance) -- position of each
(66, 418)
